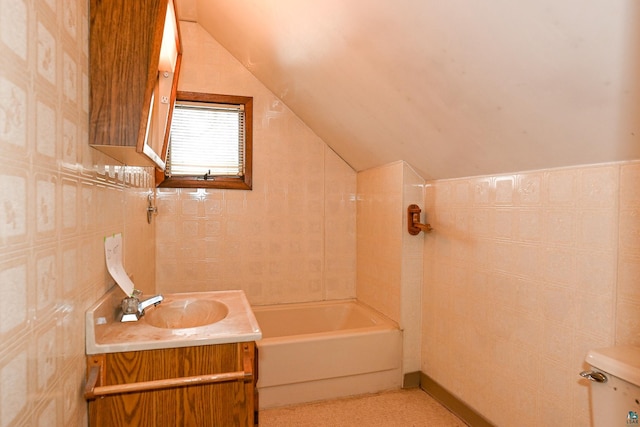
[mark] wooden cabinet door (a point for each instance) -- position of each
(227, 403)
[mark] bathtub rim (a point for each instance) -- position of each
(385, 323)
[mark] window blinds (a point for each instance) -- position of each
(206, 140)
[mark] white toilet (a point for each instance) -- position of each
(615, 386)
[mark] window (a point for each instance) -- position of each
(210, 143)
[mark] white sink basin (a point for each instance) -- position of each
(180, 320)
(185, 313)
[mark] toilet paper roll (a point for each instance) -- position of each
(113, 254)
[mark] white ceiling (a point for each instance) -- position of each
(455, 88)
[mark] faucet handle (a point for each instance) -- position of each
(130, 305)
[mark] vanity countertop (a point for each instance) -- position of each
(106, 334)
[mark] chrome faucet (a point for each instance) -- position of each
(149, 301)
(133, 308)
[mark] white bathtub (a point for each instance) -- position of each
(324, 350)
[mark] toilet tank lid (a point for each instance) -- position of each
(620, 361)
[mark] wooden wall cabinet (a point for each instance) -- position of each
(211, 385)
(135, 53)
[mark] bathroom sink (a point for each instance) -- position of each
(180, 320)
(185, 313)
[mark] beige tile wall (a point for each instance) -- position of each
(628, 273)
(413, 192)
(390, 260)
(292, 238)
(523, 274)
(58, 199)
(379, 238)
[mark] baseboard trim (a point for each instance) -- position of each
(452, 403)
(411, 380)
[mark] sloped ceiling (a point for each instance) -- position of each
(455, 88)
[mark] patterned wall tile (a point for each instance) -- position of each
(87, 215)
(47, 279)
(505, 191)
(380, 217)
(70, 204)
(46, 62)
(597, 229)
(69, 270)
(562, 187)
(599, 187)
(560, 227)
(13, 208)
(596, 271)
(45, 205)
(597, 315)
(530, 227)
(482, 191)
(70, 78)
(461, 193)
(85, 100)
(47, 413)
(48, 356)
(14, 308)
(13, 113)
(571, 236)
(629, 185)
(630, 231)
(290, 238)
(70, 17)
(14, 400)
(13, 26)
(58, 199)
(530, 188)
(70, 399)
(628, 322)
(68, 317)
(46, 129)
(70, 142)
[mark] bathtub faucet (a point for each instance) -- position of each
(133, 308)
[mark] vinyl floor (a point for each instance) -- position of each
(401, 408)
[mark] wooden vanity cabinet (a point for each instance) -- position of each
(134, 63)
(211, 385)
